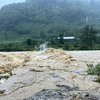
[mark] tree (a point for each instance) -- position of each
(42, 35)
(28, 41)
(66, 46)
(88, 37)
(61, 40)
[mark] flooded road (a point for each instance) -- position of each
(50, 72)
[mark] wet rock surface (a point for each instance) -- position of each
(62, 93)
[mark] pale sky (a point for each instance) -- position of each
(5, 2)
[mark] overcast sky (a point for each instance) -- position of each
(5, 2)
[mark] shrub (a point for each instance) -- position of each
(97, 79)
(28, 41)
(97, 69)
(94, 70)
(90, 70)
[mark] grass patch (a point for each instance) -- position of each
(4, 77)
(94, 70)
(97, 80)
(90, 70)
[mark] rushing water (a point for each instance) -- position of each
(43, 46)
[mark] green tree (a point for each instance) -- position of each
(88, 37)
(66, 46)
(29, 41)
(61, 40)
(42, 35)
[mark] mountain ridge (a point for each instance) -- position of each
(50, 17)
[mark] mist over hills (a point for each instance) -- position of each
(46, 18)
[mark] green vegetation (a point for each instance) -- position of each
(97, 79)
(94, 70)
(87, 40)
(26, 45)
(45, 20)
(4, 77)
(88, 37)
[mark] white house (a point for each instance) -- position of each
(67, 38)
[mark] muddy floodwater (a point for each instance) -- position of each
(48, 75)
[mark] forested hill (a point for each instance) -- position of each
(46, 18)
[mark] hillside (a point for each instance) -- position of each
(47, 18)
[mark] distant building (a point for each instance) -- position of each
(67, 38)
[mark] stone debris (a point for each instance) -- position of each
(2, 91)
(62, 93)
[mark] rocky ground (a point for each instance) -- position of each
(48, 75)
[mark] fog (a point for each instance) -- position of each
(5, 2)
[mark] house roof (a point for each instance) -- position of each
(67, 38)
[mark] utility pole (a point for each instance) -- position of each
(87, 20)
